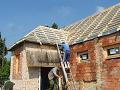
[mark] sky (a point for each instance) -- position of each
(18, 17)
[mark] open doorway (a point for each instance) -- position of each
(44, 77)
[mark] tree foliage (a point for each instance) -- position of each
(4, 63)
(5, 70)
(3, 50)
(54, 25)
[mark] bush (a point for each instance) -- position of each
(8, 85)
(3, 79)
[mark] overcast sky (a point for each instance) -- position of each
(18, 17)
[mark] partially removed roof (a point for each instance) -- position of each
(103, 23)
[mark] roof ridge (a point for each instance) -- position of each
(39, 27)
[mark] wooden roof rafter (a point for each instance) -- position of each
(105, 22)
(106, 28)
(96, 20)
(84, 25)
(105, 18)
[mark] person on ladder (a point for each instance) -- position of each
(66, 49)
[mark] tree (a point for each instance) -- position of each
(3, 50)
(4, 63)
(5, 70)
(54, 25)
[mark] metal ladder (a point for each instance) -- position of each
(66, 72)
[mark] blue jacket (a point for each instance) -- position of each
(65, 47)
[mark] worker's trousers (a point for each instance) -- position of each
(53, 84)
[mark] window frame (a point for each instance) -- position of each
(79, 55)
(111, 56)
(84, 54)
(109, 53)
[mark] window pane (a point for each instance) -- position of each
(117, 50)
(113, 51)
(84, 56)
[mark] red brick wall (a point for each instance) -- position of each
(83, 71)
(111, 67)
(110, 39)
(87, 71)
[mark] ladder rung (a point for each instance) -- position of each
(62, 52)
(66, 71)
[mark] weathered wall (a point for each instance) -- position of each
(111, 65)
(41, 55)
(83, 70)
(26, 84)
(16, 63)
(26, 78)
(109, 69)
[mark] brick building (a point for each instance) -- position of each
(95, 53)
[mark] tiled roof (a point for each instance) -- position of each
(103, 23)
(45, 35)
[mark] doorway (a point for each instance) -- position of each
(44, 77)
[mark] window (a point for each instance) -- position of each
(82, 55)
(113, 51)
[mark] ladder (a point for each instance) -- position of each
(66, 72)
